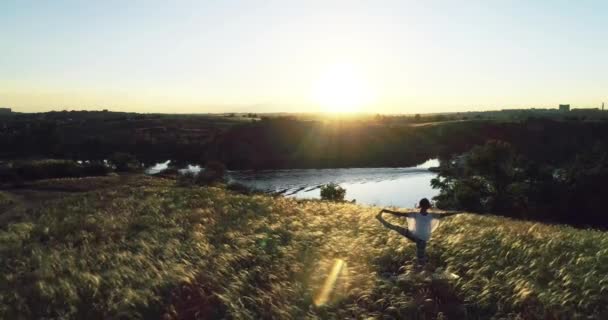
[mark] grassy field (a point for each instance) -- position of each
(147, 249)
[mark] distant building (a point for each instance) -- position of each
(5, 110)
(564, 107)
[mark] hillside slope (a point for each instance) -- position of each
(150, 249)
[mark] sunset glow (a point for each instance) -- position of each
(310, 56)
(342, 89)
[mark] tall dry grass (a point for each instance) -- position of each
(160, 250)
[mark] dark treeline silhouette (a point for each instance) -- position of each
(240, 144)
(284, 143)
(97, 135)
(273, 143)
(495, 178)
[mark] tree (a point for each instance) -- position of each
(124, 162)
(332, 192)
(484, 179)
(214, 172)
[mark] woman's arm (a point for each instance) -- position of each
(447, 214)
(396, 213)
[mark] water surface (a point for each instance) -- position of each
(400, 187)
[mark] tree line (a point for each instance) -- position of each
(275, 143)
(546, 169)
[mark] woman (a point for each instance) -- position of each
(420, 226)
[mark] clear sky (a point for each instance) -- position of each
(293, 56)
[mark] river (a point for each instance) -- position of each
(399, 187)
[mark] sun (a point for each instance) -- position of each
(342, 89)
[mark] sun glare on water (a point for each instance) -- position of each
(342, 89)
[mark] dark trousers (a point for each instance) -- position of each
(421, 251)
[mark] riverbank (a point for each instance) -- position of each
(144, 247)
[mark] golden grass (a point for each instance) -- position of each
(149, 249)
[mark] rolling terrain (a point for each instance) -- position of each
(142, 247)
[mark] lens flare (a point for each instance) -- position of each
(326, 291)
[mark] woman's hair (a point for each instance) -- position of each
(424, 203)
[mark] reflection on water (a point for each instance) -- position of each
(400, 187)
(158, 167)
(164, 165)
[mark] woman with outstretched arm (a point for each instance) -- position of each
(421, 225)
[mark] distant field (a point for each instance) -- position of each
(145, 248)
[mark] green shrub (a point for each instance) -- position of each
(124, 162)
(50, 169)
(47, 169)
(239, 188)
(95, 168)
(214, 172)
(332, 192)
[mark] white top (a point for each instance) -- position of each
(422, 226)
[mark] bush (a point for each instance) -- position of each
(494, 178)
(214, 172)
(124, 162)
(481, 179)
(332, 192)
(239, 188)
(96, 168)
(50, 169)
(46, 169)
